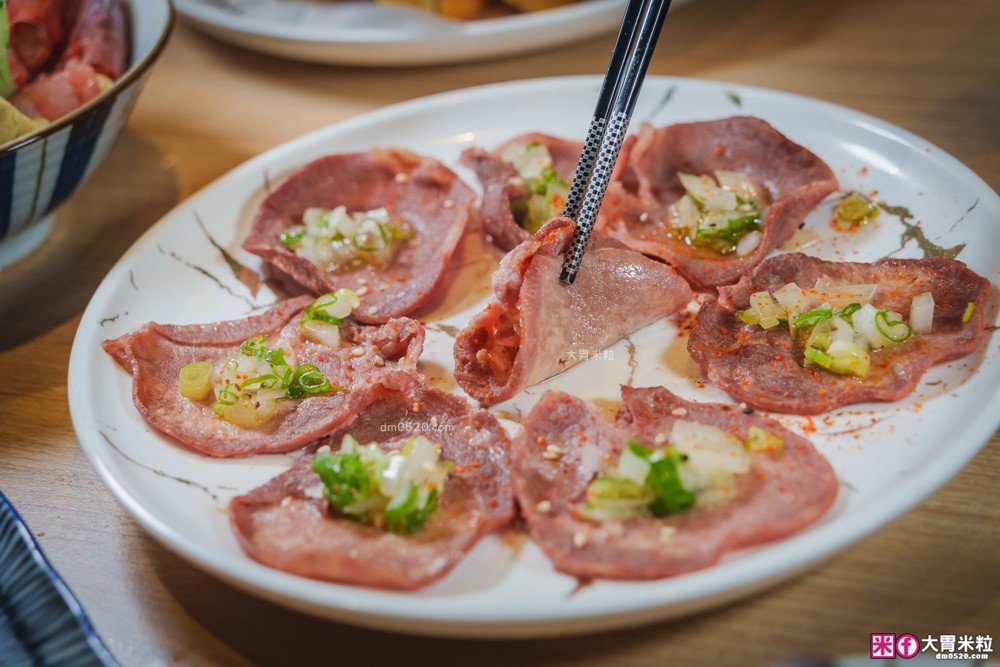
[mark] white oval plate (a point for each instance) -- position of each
(888, 457)
(358, 32)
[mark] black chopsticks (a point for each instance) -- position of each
(629, 61)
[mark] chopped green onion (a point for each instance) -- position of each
(885, 327)
(195, 380)
(331, 308)
(367, 241)
(813, 317)
(733, 230)
(292, 236)
(345, 478)
(819, 357)
(671, 496)
(760, 440)
(967, 315)
(410, 515)
(395, 490)
(308, 380)
(747, 316)
(607, 488)
(849, 310)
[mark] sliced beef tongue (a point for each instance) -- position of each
(566, 442)
(765, 367)
(500, 184)
(287, 524)
(419, 190)
(364, 364)
(535, 326)
(636, 204)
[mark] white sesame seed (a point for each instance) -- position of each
(323, 450)
(644, 217)
(373, 310)
(679, 412)
(361, 291)
(514, 180)
(358, 352)
(667, 533)
(449, 203)
(579, 540)
(660, 438)
(362, 281)
(221, 509)
(552, 452)
(402, 178)
(378, 361)
(743, 406)
(286, 501)
(434, 422)
(544, 506)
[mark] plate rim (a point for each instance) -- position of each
(585, 9)
(381, 609)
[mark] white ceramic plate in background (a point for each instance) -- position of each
(888, 457)
(360, 32)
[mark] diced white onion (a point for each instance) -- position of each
(632, 467)
(792, 298)
(705, 190)
(323, 333)
(592, 457)
(748, 243)
(709, 446)
(840, 296)
(922, 313)
(738, 184)
(841, 329)
(683, 213)
(528, 160)
(864, 326)
(765, 310)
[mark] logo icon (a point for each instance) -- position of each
(907, 646)
(883, 646)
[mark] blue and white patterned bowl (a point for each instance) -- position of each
(41, 623)
(41, 170)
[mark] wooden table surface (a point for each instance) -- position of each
(930, 66)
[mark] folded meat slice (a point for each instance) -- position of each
(288, 525)
(765, 367)
(501, 185)
(635, 209)
(420, 191)
(365, 364)
(566, 443)
(535, 326)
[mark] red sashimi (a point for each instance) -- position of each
(287, 524)
(52, 96)
(36, 30)
(421, 192)
(366, 364)
(635, 210)
(766, 368)
(501, 185)
(99, 37)
(535, 327)
(566, 443)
